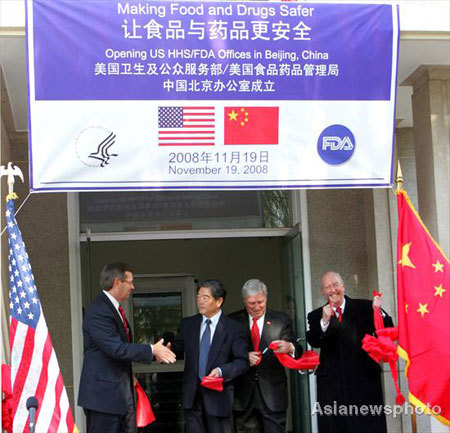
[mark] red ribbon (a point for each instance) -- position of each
(331, 309)
(382, 348)
(308, 361)
(214, 383)
(144, 412)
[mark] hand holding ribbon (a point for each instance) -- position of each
(382, 348)
(214, 383)
(308, 361)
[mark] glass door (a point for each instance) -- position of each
(156, 307)
(294, 298)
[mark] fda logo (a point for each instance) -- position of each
(336, 144)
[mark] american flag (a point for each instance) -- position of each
(186, 126)
(34, 367)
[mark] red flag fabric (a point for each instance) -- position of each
(144, 412)
(308, 361)
(214, 383)
(34, 366)
(423, 285)
(7, 409)
(251, 125)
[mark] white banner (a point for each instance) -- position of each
(125, 95)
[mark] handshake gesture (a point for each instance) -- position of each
(162, 353)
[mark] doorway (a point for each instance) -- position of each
(164, 269)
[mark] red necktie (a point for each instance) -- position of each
(125, 323)
(255, 334)
(339, 311)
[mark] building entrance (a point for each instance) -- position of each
(166, 272)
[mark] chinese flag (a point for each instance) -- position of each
(423, 283)
(251, 125)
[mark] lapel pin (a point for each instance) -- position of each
(268, 323)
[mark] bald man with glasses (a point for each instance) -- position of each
(347, 377)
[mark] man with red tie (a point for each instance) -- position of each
(261, 395)
(106, 383)
(346, 376)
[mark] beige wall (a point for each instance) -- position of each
(337, 232)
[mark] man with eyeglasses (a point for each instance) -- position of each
(349, 388)
(106, 384)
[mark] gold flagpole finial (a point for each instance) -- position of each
(399, 178)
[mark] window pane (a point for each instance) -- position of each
(184, 210)
(153, 312)
(164, 392)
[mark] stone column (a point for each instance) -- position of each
(431, 116)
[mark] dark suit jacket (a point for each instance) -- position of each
(270, 374)
(106, 379)
(228, 352)
(346, 373)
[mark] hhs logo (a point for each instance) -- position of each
(336, 144)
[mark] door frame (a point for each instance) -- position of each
(299, 211)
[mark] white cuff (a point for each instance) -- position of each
(324, 325)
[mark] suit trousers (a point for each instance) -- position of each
(198, 421)
(101, 422)
(258, 418)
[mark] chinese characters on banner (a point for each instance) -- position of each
(176, 90)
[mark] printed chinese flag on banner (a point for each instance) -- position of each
(251, 125)
(423, 282)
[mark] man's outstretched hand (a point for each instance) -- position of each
(162, 353)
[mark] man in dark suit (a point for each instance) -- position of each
(261, 395)
(347, 375)
(106, 383)
(212, 345)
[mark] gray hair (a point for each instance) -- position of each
(253, 287)
(337, 274)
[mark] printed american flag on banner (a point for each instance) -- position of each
(34, 367)
(186, 126)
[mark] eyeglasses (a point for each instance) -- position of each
(335, 285)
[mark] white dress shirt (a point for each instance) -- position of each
(114, 301)
(212, 325)
(324, 325)
(259, 322)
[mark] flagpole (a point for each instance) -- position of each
(399, 182)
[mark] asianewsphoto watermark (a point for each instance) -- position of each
(372, 409)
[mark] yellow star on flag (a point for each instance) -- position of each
(233, 115)
(405, 260)
(423, 309)
(439, 290)
(438, 267)
(406, 308)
